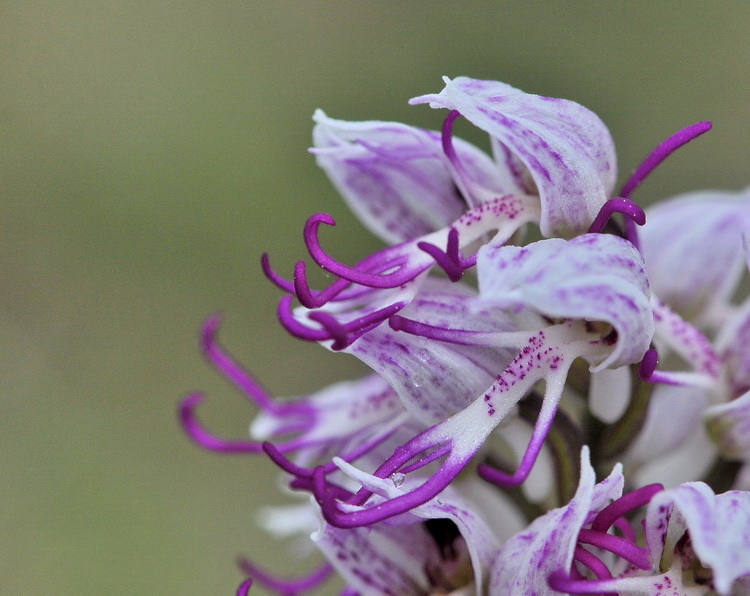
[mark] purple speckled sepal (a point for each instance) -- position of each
(718, 525)
(476, 537)
(555, 148)
(595, 277)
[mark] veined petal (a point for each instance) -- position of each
(435, 379)
(395, 177)
(683, 241)
(565, 148)
(526, 561)
(595, 277)
(718, 525)
(380, 560)
(331, 421)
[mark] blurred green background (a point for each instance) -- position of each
(152, 150)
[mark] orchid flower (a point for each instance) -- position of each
(506, 375)
(695, 541)
(684, 238)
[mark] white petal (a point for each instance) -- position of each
(609, 394)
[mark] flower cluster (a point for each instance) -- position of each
(508, 374)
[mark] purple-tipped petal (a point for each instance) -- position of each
(565, 149)
(595, 277)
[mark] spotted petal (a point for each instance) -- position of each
(565, 148)
(719, 528)
(380, 560)
(595, 277)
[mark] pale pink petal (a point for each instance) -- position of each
(595, 277)
(563, 148)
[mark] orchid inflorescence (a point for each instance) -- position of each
(508, 374)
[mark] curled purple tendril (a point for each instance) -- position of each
(230, 369)
(450, 259)
(382, 270)
(285, 586)
(631, 501)
(631, 210)
(303, 477)
(342, 334)
(446, 136)
(587, 558)
(391, 275)
(625, 547)
(652, 161)
(362, 449)
(205, 439)
(389, 508)
(244, 588)
(460, 337)
(328, 493)
(273, 277)
(299, 286)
